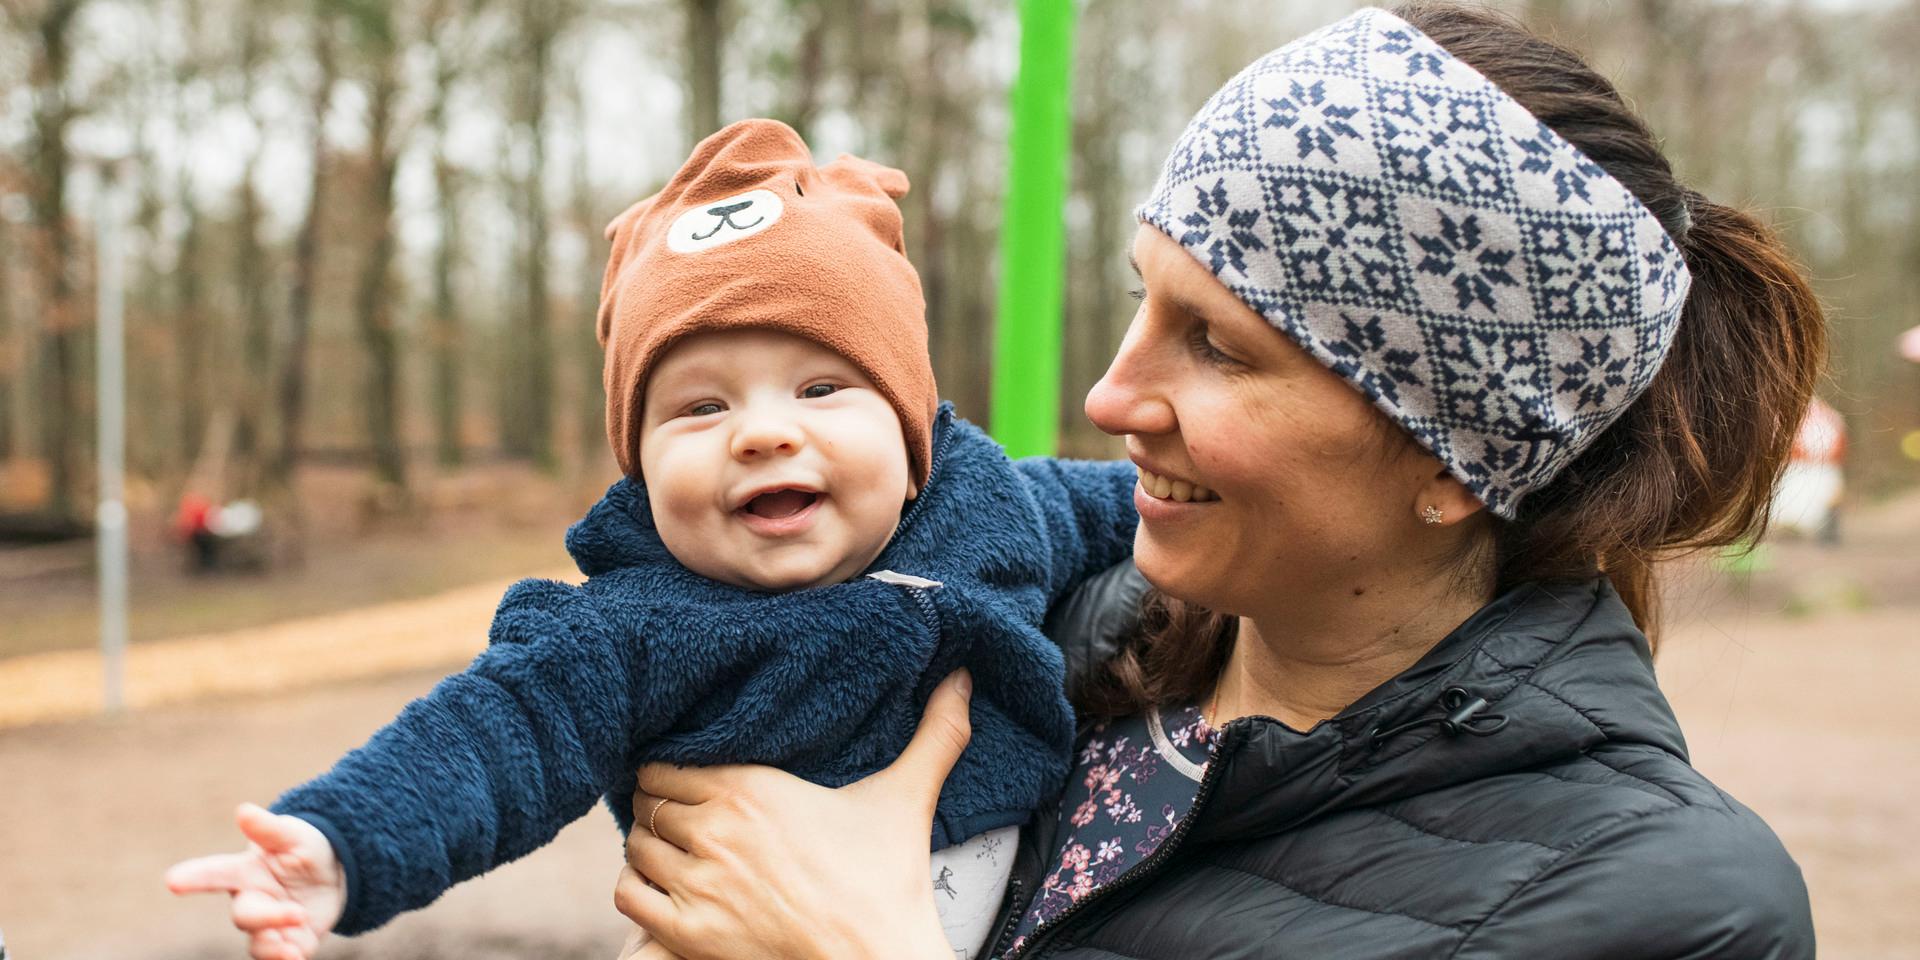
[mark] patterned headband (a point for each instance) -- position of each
(1421, 234)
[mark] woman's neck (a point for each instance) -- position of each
(1301, 669)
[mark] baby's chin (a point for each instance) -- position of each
(784, 582)
(790, 573)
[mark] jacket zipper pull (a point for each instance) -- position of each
(905, 580)
(1463, 716)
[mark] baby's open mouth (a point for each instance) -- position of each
(779, 504)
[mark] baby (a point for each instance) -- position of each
(804, 544)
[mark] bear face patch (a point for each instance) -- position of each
(723, 221)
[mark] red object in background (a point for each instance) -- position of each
(1822, 437)
(194, 515)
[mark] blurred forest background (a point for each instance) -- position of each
(366, 236)
(363, 249)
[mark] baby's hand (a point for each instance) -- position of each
(287, 887)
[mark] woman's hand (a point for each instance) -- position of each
(753, 863)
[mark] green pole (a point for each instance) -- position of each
(1025, 412)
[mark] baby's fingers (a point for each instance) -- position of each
(275, 833)
(220, 873)
(278, 944)
(302, 939)
(255, 912)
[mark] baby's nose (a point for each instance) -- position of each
(766, 436)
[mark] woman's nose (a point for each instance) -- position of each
(766, 434)
(1131, 397)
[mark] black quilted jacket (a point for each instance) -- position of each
(1523, 791)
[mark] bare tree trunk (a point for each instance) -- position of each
(809, 69)
(945, 244)
(372, 311)
(867, 64)
(528, 413)
(11, 367)
(143, 451)
(590, 401)
(446, 326)
(924, 117)
(706, 28)
(189, 326)
(190, 330)
(251, 278)
(1095, 318)
(306, 263)
(63, 421)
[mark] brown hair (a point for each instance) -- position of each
(1691, 464)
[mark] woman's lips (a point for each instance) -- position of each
(1168, 488)
(1165, 500)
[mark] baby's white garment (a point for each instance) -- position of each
(969, 881)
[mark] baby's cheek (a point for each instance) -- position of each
(681, 508)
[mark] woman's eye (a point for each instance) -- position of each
(818, 390)
(703, 409)
(1205, 350)
(1139, 294)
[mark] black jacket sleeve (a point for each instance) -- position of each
(1091, 623)
(1691, 882)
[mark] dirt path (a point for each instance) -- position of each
(1796, 696)
(441, 631)
(95, 811)
(1813, 723)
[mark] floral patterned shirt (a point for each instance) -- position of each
(1133, 781)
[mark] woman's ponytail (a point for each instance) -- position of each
(1750, 349)
(1694, 461)
(1691, 464)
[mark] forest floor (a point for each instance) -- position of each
(1793, 684)
(477, 524)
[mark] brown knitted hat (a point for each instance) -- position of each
(751, 235)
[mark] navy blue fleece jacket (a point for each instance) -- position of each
(648, 661)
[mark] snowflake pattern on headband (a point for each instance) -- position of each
(1415, 229)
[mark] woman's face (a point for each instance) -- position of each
(1268, 483)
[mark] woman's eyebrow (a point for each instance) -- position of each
(1184, 303)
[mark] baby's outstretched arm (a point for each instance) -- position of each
(1089, 512)
(287, 886)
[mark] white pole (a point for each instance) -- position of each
(111, 517)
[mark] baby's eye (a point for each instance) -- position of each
(703, 409)
(818, 390)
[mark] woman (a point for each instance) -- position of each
(1435, 357)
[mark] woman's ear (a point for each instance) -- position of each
(1443, 499)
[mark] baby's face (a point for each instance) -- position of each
(771, 462)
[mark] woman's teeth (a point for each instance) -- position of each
(1179, 491)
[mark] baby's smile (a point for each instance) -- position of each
(782, 512)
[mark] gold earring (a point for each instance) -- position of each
(1431, 514)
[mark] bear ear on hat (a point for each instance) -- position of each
(628, 216)
(621, 232)
(855, 172)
